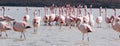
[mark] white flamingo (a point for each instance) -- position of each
(99, 18)
(20, 26)
(26, 17)
(36, 21)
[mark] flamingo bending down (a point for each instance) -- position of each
(99, 18)
(4, 27)
(20, 27)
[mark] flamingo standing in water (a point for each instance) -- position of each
(91, 20)
(61, 18)
(26, 17)
(20, 27)
(4, 27)
(86, 17)
(115, 22)
(52, 15)
(99, 18)
(79, 17)
(7, 18)
(107, 19)
(85, 29)
(46, 17)
(36, 21)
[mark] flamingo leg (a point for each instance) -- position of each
(60, 26)
(6, 34)
(24, 35)
(83, 36)
(119, 36)
(21, 35)
(34, 29)
(0, 34)
(87, 37)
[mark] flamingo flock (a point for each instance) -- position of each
(67, 16)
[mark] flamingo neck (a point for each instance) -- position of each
(100, 12)
(91, 10)
(105, 12)
(113, 21)
(115, 13)
(3, 12)
(39, 12)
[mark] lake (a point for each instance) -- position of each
(53, 36)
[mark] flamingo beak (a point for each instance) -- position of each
(28, 27)
(8, 29)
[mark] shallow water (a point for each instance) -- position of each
(53, 36)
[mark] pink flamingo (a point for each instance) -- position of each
(91, 21)
(26, 17)
(61, 18)
(46, 17)
(52, 15)
(115, 22)
(36, 21)
(99, 18)
(7, 18)
(79, 17)
(107, 19)
(86, 17)
(4, 27)
(20, 27)
(84, 28)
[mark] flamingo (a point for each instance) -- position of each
(79, 17)
(20, 26)
(26, 17)
(107, 19)
(4, 27)
(85, 29)
(51, 18)
(86, 17)
(46, 17)
(61, 18)
(52, 15)
(99, 18)
(7, 18)
(91, 20)
(36, 21)
(116, 22)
